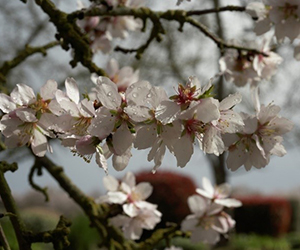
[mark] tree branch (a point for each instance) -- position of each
(71, 36)
(3, 239)
(180, 16)
(216, 10)
(22, 56)
(10, 206)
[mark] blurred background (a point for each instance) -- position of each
(167, 63)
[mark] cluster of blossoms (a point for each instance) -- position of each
(208, 220)
(242, 67)
(109, 123)
(137, 214)
(102, 30)
(206, 223)
(284, 16)
(260, 138)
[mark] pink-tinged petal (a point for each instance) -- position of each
(122, 139)
(220, 224)
(70, 107)
(267, 113)
(85, 145)
(230, 122)
(208, 187)
(214, 209)
(167, 112)
(86, 108)
(108, 94)
(110, 183)
(23, 95)
(55, 108)
(157, 153)
(157, 95)
(112, 67)
(39, 143)
(250, 125)
(120, 220)
(125, 188)
(72, 90)
(6, 103)
(116, 197)
(144, 190)
(208, 110)
(134, 230)
(61, 96)
(26, 114)
(102, 124)
(223, 191)
(145, 136)
(228, 202)
(256, 10)
(48, 90)
(262, 26)
(183, 149)
(197, 205)
(69, 141)
(129, 179)
(212, 142)
(138, 93)
(16, 140)
(203, 193)
(138, 113)
(278, 150)
(130, 209)
(120, 162)
(101, 160)
(230, 101)
(236, 158)
(189, 223)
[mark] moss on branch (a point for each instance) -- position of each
(69, 34)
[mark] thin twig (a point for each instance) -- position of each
(216, 10)
(22, 56)
(34, 185)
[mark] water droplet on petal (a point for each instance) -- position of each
(149, 95)
(134, 95)
(109, 94)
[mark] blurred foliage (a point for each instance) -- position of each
(257, 242)
(83, 237)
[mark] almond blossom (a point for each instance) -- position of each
(138, 214)
(122, 77)
(24, 121)
(218, 194)
(242, 67)
(207, 220)
(283, 15)
(102, 30)
(260, 138)
(111, 118)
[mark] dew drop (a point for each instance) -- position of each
(134, 95)
(109, 94)
(149, 95)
